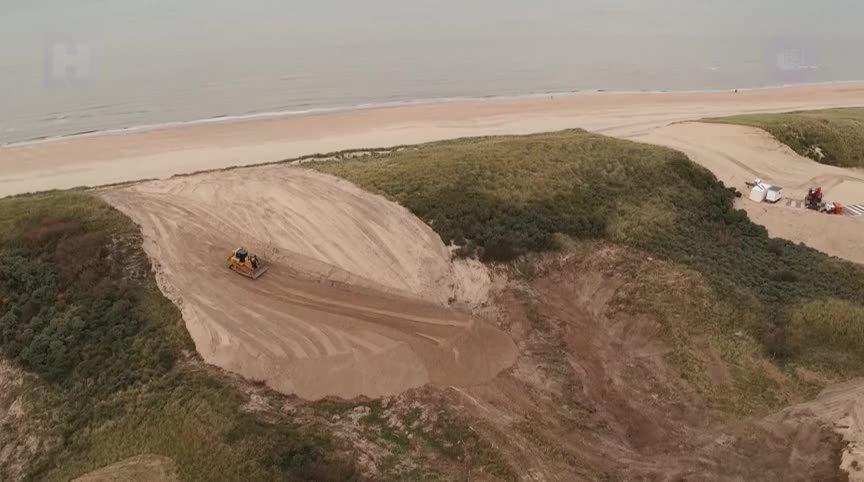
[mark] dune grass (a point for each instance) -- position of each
(501, 197)
(832, 136)
(830, 332)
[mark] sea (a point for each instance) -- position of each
(76, 66)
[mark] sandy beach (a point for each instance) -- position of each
(99, 159)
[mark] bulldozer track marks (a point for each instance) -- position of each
(354, 302)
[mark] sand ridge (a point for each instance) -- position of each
(355, 300)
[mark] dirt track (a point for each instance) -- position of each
(737, 154)
(354, 302)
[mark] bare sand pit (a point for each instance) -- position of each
(354, 302)
(109, 158)
(737, 154)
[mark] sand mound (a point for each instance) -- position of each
(330, 227)
(143, 468)
(737, 154)
(842, 406)
(353, 302)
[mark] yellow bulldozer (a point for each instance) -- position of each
(240, 261)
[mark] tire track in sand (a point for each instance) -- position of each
(354, 302)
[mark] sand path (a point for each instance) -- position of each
(354, 302)
(101, 159)
(737, 154)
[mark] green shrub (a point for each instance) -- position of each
(70, 313)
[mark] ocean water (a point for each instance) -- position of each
(68, 67)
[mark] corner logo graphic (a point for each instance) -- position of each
(68, 64)
(794, 65)
(790, 60)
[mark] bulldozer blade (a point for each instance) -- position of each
(249, 274)
(258, 272)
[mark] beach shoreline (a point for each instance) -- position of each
(108, 157)
(313, 111)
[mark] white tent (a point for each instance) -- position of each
(759, 191)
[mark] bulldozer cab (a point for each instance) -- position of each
(241, 254)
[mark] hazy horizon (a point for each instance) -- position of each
(158, 61)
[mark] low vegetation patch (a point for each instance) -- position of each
(419, 437)
(830, 332)
(832, 136)
(501, 197)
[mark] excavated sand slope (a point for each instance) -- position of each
(737, 154)
(355, 299)
(843, 406)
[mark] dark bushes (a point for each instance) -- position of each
(69, 314)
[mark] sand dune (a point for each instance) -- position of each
(355, 300)
(737, 154)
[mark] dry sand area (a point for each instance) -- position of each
(356, 299)
(101, 159)
(738, 154)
